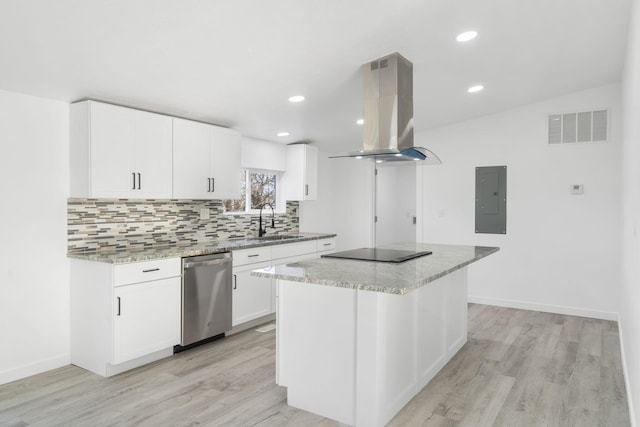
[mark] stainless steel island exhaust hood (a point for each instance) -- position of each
(388, 113)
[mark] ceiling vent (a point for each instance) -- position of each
(585, 126)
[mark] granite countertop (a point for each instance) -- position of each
(384, 277)
(215, 246)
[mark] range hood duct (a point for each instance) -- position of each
(388, 113)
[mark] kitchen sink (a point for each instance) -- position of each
(280, 237)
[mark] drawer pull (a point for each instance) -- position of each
(150, 270)
(118, 306)
(327, 244)
(253, 256)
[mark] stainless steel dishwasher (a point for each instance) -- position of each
(206, 297)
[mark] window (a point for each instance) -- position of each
(256, 188)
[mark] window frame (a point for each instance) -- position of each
(280, 203)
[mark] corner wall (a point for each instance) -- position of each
(561, 251)
(630, 288)
(345, 202)
(34, 270)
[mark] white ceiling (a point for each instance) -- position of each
(236, 62)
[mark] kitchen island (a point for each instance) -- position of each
(356, 340)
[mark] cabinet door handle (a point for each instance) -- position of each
(213, 185)
(150, 270)
(118, 306)
(208, 185)
(253, 255)
(139, 180)
(235, 281)
(306, 189)
(134, 180)
(327, 244)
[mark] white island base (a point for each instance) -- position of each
(359, 356)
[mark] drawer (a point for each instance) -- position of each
(326, 245)
(294, 249)
(251, 256)
(293, 259)
(145, 271)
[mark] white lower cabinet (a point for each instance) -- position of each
(252, 296)
(255, 297)
(326, 246)
(147, 318)
(124, 315)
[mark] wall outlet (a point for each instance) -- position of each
(204, 213)
(577, 189)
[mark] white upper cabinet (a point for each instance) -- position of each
(302, 172)
(119, 152)
(206, 161)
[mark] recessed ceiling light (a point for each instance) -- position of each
(360, 121)
(358, 157)
(398, 155)
(296, 98)
(378, 161)
(283, 134)
(476, 88)
(466, 36)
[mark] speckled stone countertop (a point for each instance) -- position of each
(158, 252)
(384, 277)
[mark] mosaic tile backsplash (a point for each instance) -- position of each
(116, 224)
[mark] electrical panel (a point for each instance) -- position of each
(491, 199)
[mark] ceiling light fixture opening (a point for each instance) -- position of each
(283, 133)
(296, 98)
(360, 121)
(476, 88)
(466, 36)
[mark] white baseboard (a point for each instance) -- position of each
(632, 414)
(24, 371)
(558, 309)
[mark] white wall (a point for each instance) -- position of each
(561, 251)
(34, 270)
(630, 289)
(345, 202)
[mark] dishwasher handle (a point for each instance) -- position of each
(224, 258)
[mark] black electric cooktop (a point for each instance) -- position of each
(378, 255)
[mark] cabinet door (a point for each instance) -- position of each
(225, 163)
(191, 179)
(301, 178)
(112, 133)
(252, 296)
(311, 173)
(152, 157)
(146, 318)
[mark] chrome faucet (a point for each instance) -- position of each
(263, 231)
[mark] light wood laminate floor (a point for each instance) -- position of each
(519, 368)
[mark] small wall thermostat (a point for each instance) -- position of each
(577, 189)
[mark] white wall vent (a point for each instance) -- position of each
(584, 126)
